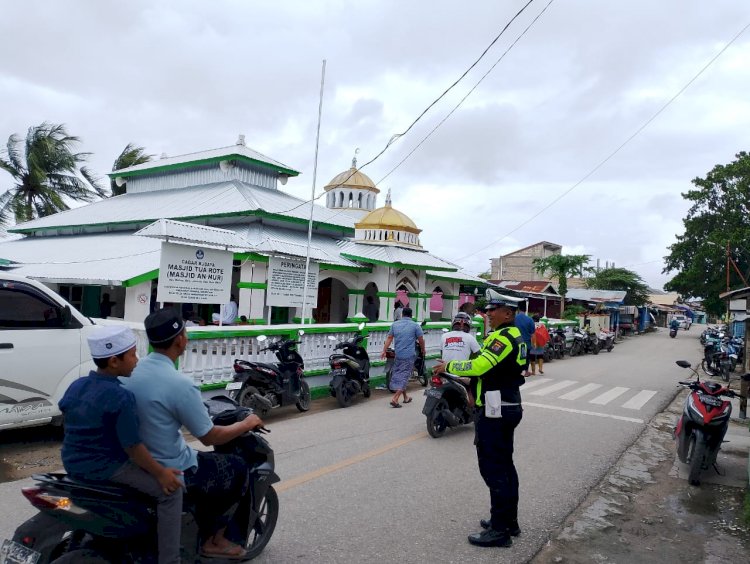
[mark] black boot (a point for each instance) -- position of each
(490, 537)
(513, 529)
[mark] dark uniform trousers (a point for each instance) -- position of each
(494, 441)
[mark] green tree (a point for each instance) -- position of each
(45, 174)
(130, 156)
(485, 275)
(717, 225)
(560, 268)
(621, 279)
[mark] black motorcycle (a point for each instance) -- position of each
(95, 522)
(263, 386)
(557, 343)
(350, 370)
(591, 342)
(448, 404)
(578, 345)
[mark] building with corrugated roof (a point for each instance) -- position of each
(366, 254)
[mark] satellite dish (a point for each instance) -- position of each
(226, 166)
(120, 181)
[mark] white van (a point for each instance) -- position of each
(683, 320)
(43, 348)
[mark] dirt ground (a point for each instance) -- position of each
(643, 511)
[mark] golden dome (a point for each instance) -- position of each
(352, 178)
(388, 218)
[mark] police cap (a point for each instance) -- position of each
(495, 299)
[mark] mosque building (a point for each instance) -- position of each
(368, 256)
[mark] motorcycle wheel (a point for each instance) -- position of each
(596, 348)
(707, 368)
(81, 556)
(610, 347)
(436, 426)
(343, 396)
(303, 404)
(260, 532)
(366, 390)
(697, 457)
(245, 399)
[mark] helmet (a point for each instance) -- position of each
(462, 322)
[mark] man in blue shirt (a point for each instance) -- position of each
(166, 400)
(102, 440)
(406, 333)
(527, 327)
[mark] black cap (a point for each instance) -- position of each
(163, 325)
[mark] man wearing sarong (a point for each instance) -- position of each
(405, 334)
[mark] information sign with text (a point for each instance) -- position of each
(195, 275)
(286, 280)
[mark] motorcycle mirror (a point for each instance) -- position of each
(361, 326)
(301, 332)
(683, 363)
(261, 338)
(445, 330)
(332, 338)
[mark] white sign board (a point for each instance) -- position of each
(194, 275)
(286, 280)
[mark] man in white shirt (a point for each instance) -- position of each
(229, 315)
(459, 343)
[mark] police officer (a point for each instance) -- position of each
(496, 374)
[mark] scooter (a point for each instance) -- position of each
(350, 370)
(700, 429)
(606, 340)
(578, 345)
(262, 386)
(557, 343)
(448, 404)
(672, 332)
(590, 342)
(93, 522)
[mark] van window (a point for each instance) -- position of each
(23, 307)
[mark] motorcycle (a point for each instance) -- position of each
(579, 338)
(448, 404)
(606, 340)
(94, 522)
(557, 343)
(350, 370)
(590, 342)
(700, 429)
(672, 332)
(262, 386)
(718, 359)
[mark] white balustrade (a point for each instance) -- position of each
(211, 360)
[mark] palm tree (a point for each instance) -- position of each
(560, 268)
(45, 175)
(130, 156)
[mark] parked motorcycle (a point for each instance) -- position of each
(557, 343)
(350, 370)
(718, 360)
(579, 338)
(93, 522)
(606, 340)
(262, 386)
(591, 342)
(700, 429)
(448, 404)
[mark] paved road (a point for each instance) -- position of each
(367, 484)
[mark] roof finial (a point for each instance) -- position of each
(388, 198)
(354, 159)
(241, 140)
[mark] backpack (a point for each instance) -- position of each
(541, 336)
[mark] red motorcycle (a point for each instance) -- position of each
(701, 428)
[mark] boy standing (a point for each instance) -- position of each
(101, 435)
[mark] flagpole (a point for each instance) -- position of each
(312, 193)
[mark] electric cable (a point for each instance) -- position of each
(613, 153)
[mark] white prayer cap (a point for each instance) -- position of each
(111, 340)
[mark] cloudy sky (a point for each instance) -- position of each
(178, 77)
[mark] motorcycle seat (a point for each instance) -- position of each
(265, 365)
(102, 488)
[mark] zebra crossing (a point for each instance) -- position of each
(591, 393)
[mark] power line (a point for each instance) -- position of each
(613, 153)
(449, 114)
(397, 136)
